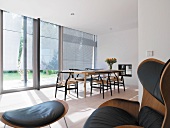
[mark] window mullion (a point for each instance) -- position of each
(1, 51)
(25, 49)
(36, 54)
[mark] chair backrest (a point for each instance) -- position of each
(75, 75)
(60, 77)
(154, 76)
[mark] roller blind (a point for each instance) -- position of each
(78, 49)
(48, 46)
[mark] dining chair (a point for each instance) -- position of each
(117, 79)
(68, 84)
(101, 82)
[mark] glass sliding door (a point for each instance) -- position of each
(17, 51)
(49, 38)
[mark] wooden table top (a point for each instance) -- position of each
(90, 71)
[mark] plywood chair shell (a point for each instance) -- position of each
(164, 84)
(152, 102)
(165, 90)
(149, 72)
(131, 107)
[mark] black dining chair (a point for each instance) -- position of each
(116, 79)
(101, 82)
(68, 84)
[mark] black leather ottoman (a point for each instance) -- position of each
(36, 116)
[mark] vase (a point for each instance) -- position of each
(110, 66)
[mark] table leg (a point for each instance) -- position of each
(85, 85)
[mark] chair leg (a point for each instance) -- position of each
(56, 91)
(124, 86)
(65, 92)
(103, 91)
(77, 89)
(91, 91)
(65, 122)
(102, 85)
(91, 88)
(118, 87)
(111, 89)
(100, 88)
(110, 84)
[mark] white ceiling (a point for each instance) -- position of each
(91, 16)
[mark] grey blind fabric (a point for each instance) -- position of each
(48, 46)
(78, 49)
(12, 34)
(13, 42)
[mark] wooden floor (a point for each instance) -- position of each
(79, 109)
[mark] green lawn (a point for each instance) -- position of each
(16, 76)
(11, 76)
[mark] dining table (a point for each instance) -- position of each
(87, 73)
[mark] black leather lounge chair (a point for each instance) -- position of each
(154, 111)
(36, 116)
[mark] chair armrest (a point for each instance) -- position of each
(129, 126)
(131, 107)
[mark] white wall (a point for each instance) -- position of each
(122, 45)
(153, 30)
